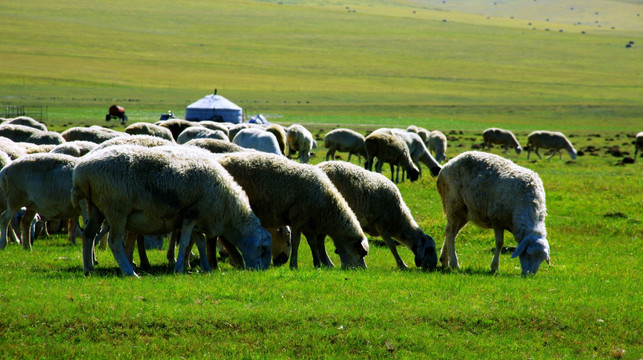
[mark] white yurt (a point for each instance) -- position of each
(214, 107)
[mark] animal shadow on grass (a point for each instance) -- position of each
(111, 270)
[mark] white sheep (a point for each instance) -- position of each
(176, 126)
(96, 134)
(74, 148)
(436, 142)
(213, 125)
(144, 128)
(22, 133)
(258, 139)
(299, 139)
(638, 144)
(11, 148)
(41, 183)
(160, 189)
(493, 192)
(345, 140)
(549, 140)
(284, 192)
(384, 145)
(502, 137)
(216, 146)
(200, 132)
(26, 121)
(418, 151)
(235, 128)
(140, 140)
(381, 211)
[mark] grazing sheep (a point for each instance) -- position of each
(143, 128)
(638, 144)
(299, 139)
(216, 146)
(345, 140)
(437, 143)
(140, 140)
(549, 140)
(380, 210)
(419, 152)
(502, 137)
(21, 133)
(279, 132)
(74, 148)
(167, 188)
(37, 149)
(493, 192)
(26, 121)
(11, 148)
(213, 125)
(176, 126)
(258, 139)
(41, 183)
(94, 134)
(234, 129)
(384, 145)
(284, 192)
(199, 132)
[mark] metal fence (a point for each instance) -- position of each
(37, 112)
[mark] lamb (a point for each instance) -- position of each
(384, 145)
(26, 121)
(549, 140)
(167, 188)
(638, 144)
(279, 132)
(299, 139)
(419, 152)
(21, 133)
(96, 134)
(493, 192)
(176, 126)
(199, 132)
(143, 128)
(380, 210)
(437, 143)
(284, 192)
(216, 146)
(345, 140)
(74, 148)
(503, 137)
(41, 183)
(258, 139)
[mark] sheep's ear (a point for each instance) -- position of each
(520, 249)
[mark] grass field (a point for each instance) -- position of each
(456, 66)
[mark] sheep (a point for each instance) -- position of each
(503, 137)
(41, 183)
(176, 126)
(380, 210)
(436, 142)
(281, 247)
(549, 140)
(21, 133)
(279, 132)
(216, 146)
(213, 125)
(284, 192)
(299, 139)
(37, 149)
(638, 144)
(165, 188)
(140, 140)
(143, 128)
(26, 121)
(418, 151)
(11, 148)
(96, 134)
(345, 140)
(199, 132)
(234, 129)
(384, 145)
(258, 139)
(493, 192)
(74, 148)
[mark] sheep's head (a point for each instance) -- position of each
(518, 149)
(532, 250)
(257, 249)
(352, 255)
(425, 255)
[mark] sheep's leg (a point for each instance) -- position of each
(4, 222)
(448, 255)
(100, 239)
(349, 156)
(500, 241)
(318, 249)
(391, 245)
(199, 240)
(73, 229)
(236, 259)
(296, 238)
(115, 242)
(554, 153)
(537, 153)
(142, 253)
(186, 233)
(330, 154)
(129, 244)
(171, 247)
(25, 228)
(211, 250)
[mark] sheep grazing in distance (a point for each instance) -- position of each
(381, 211)
(21, 133)
(299, 139)
(419, 152)
(74, 148)
(26, 121)
(493, 192)
(200, 132)
(284, 192)
(549, 140)
(216, 146)
(345, 140)
(502, 137)
(143, 128)
(279, 132)
(258, 139)
(437, 143)
(41, 183)
(176, 126)
(96, 134)
(166, 188)
(422, 133)
(384, 145)
(638, 144)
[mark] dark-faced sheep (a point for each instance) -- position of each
(502, 137)
(345, 140)
(384, 145)
(549, 140)
(494, 193)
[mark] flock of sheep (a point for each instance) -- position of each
(234, 187)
